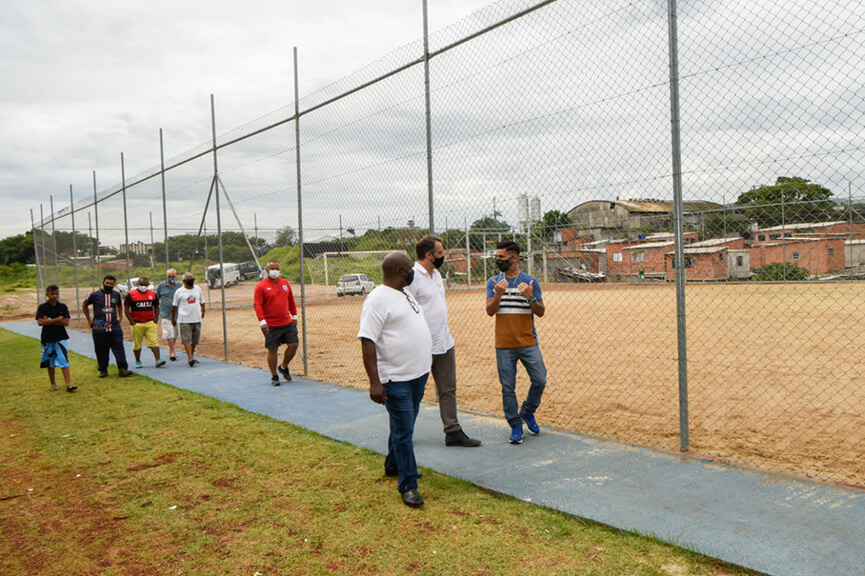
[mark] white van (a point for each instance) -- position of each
(232, 275)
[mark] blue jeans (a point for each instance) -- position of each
(533, 361)
(403, 404)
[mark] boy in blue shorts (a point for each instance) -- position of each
(53, 316)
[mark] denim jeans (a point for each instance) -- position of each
(403, 404)
(533, 361)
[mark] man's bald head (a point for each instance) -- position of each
(392, 267)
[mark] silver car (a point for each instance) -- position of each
(354, 284)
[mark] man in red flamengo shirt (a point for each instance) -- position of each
(277, 316)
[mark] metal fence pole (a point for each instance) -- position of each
(42, 240)
(216, 183)
(164, 204)
(684, 436)
(98, 244)
(125, 219)
(90, 251)
(429, 174)
(54, 244)
(74, 255)
(300, 212)
(152, 260)
(36, 255)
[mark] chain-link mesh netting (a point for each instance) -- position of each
(550, 126)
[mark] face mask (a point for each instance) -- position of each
(107, 289)
(188, 283)
(274, 274)
(503, 265)
(142, 288)
(409, 277)
(171, 281)
(438, 262)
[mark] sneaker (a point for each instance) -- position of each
(274, 380)
(103, 373)
(138, 364)
(531, 424)
(123, 373)
(173, 358)
(285, 373)
(516, 434)
(160, 363)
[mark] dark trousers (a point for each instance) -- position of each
(403, 404)
(103, 342)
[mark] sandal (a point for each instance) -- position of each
(53, 389)
(71, 388)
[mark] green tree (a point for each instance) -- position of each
(17, 249)
(717, 225)
(552, 222)
(780, 272)
(285, 237)
(789, 200)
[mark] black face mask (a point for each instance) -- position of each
(107, 289)
(188, 283)
(438, 262)
(409, 278)
(503, 265)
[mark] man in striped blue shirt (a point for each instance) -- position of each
(105, 326)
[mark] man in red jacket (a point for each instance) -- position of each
(277, 316)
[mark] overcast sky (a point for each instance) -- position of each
(83, 81)
(570, 103)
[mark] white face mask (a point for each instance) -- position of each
(273, 274)
(142, 288)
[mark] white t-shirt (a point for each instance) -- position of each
(394, 321)
(429, 291)
(188, 302)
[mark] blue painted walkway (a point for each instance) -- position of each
(772, 524)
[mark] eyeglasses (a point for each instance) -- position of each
(412, 303)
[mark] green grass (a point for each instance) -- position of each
(129, 476)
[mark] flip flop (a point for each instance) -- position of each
(53, 389)
(71, 388)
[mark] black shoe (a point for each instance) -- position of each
(123, 373)
(103, 373)
(459, 438)
(173, 358)
(412, 498)
(274, 380)
(392, 473)
(285, 373)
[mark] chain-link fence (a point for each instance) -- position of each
(550, 124)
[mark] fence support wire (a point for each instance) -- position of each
(74, 253)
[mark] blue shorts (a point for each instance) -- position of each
(54, 355)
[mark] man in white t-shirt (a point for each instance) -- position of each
(397, 352)
(187, 311)
(428, 289)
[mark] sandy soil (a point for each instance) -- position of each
(774, 371)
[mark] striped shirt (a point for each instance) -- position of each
(106, 308)
(515, 322)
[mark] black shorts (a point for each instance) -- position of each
(278, 335)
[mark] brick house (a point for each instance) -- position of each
(715, 259)
(817, 255)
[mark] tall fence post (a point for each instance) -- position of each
(164, 204)
(152, 259)
(429, 175)
(90, 251)
(684, 435)
(42, 240)
(36, 256)
(300, 213)
(98, 244)
(216, 183)
(75, 255)
(54, 243)
(125, 219)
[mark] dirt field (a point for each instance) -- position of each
(774, 371)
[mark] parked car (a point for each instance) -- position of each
(249, 270)
(232, 275)
(131, 284)
(354, 284)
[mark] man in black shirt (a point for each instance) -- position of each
(53, 316)
(105, 325)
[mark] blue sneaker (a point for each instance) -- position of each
(516, 434)
(138, 364)
(531, 424)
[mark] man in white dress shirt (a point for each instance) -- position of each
(429, 290)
